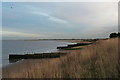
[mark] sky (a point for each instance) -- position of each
(58, 20)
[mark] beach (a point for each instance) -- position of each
(92, 61)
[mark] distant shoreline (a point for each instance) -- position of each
(58, 39)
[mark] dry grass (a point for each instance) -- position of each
(99, 60)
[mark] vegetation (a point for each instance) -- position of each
(99, 60)
(113, 35)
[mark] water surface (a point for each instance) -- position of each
(27, 47)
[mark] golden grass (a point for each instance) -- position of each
(99, 60)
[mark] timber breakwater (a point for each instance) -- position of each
(73, 45)
(17, 57)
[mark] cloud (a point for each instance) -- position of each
(61, 1)
(90, 14)
(61, 20)
(52, 18)
(20, 34)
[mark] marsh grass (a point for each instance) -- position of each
(99, 60)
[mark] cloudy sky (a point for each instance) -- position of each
(49, 20)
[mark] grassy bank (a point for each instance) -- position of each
(99, 60)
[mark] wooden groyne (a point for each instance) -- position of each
(16, 57)
(73, 45)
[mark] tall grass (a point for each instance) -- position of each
(99, 60)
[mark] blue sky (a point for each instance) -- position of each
(49, 20)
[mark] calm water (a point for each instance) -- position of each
(29, 47)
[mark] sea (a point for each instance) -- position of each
(28, 47)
